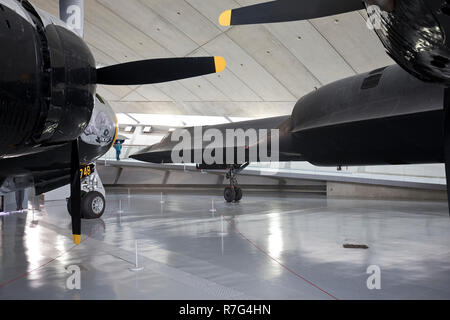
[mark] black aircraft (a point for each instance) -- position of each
(384, 117)
(53, 125)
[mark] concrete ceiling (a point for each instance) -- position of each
(269, 66)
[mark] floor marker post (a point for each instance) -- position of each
(136, 268)
(213, 209)
(120, 207)
(222, 223)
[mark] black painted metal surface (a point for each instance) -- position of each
(382, 117)
(47, 83)
(397, 121)
(415, 35)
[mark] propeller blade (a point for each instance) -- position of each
(447, 140)
(288, 10)
(75, 192)
(72, 13)
(159, 70)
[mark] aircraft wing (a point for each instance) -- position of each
(45, 171)
(163, 152)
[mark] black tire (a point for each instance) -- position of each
(239, 194)
(83, 193)
(93, 205)
(229, 194)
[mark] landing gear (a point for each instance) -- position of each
(93, 201)
(92, 205)
(229, 194)
(234, 192)
(239, 194)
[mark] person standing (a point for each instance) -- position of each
(20, 195)
(118, 147)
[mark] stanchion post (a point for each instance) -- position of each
(120, 206)
(213, 209)
(136, 268)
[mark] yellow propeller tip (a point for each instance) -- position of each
(225, 18)
(77, 239)
(220, 63)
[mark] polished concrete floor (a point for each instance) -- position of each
(269, 246)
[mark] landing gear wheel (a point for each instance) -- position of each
(238, 194)
(229, 194)
(93, 205)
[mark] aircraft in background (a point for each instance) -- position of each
(384, 117)
(53, 125)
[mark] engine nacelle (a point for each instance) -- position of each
(47, 81)
(100, 134)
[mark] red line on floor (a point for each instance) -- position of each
(281, 264)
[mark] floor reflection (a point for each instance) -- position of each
(185, 249)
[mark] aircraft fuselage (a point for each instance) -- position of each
(382, 117)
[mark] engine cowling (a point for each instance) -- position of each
(47, 83)
(100, 134)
